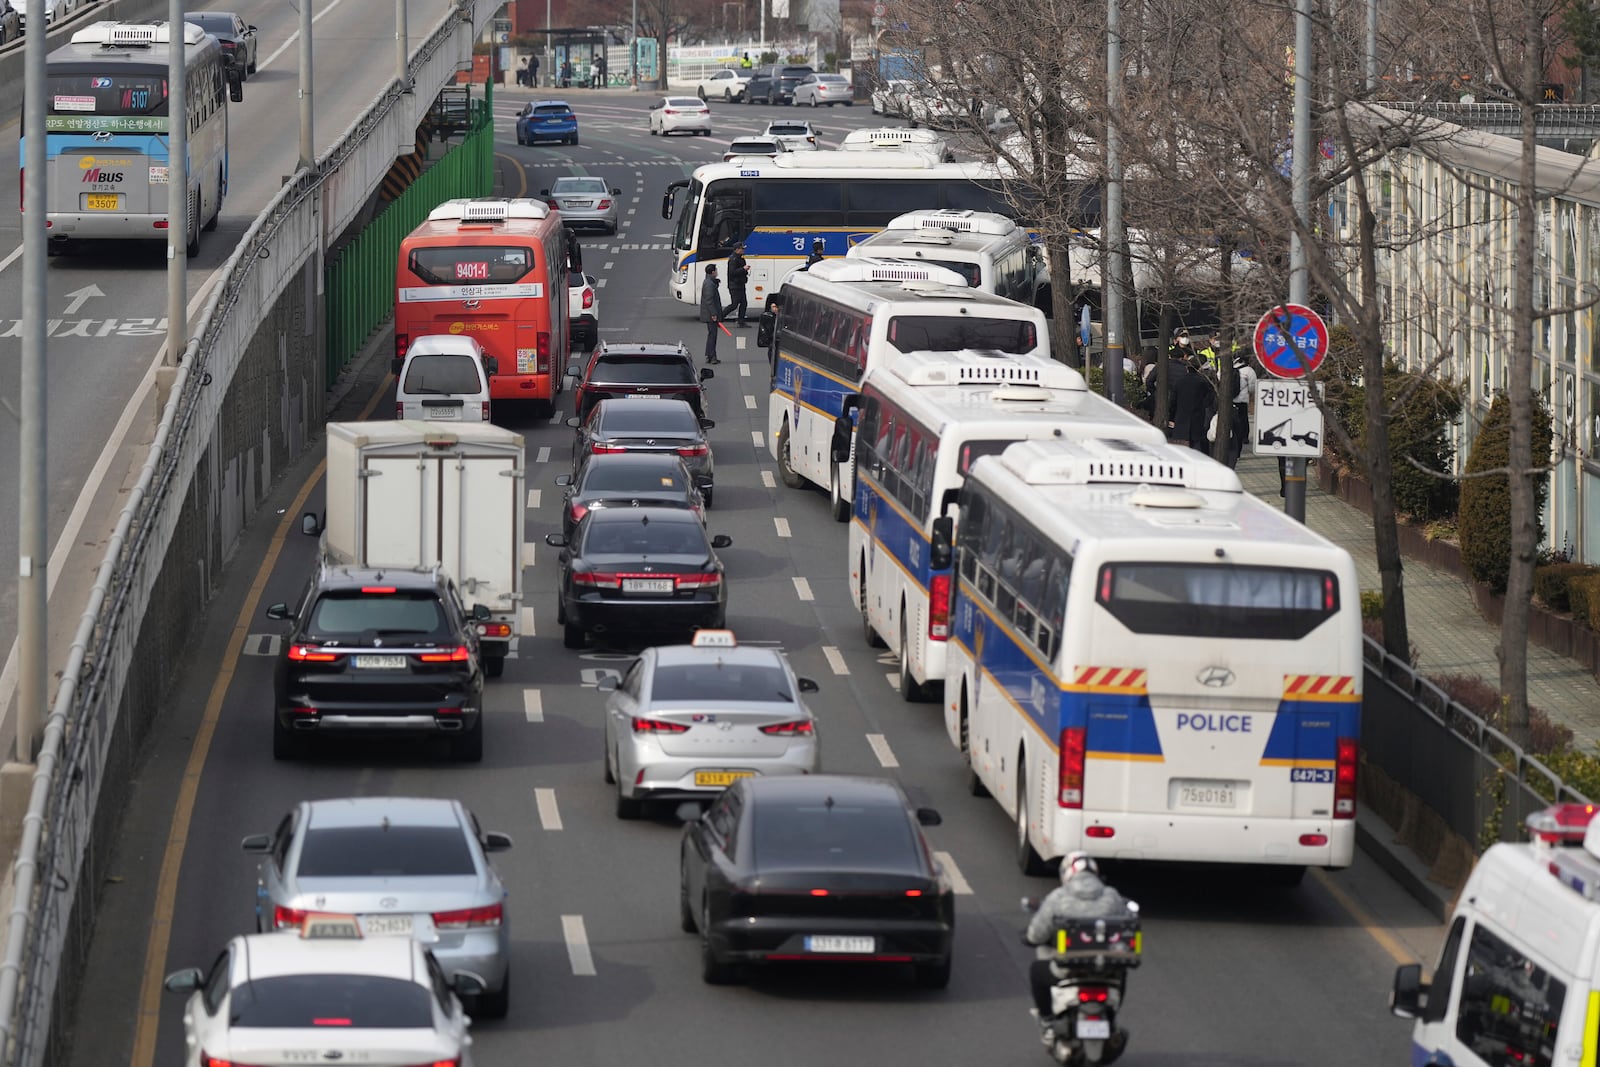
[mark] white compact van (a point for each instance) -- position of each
(1518, 980)
(444, 378)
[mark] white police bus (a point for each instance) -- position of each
(924, 418)
(991, 251)
(841, 318)
(1147, 662)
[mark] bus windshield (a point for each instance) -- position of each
(1208, 600)
(470, 263)
(683, 239)
(948, 333)
(119, 93)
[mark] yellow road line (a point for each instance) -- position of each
(1387, 941)
(522, 173)
(155, 953)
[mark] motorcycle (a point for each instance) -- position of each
(1090, 968)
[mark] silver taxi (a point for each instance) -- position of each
(686, 721)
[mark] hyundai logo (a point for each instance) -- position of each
(101, 135)
(333, 1054)
(1214, 677)
(471, 305)
(389, 902)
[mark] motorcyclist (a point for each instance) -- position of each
(1083, 895)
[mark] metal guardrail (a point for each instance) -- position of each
(50, 922)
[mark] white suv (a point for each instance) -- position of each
(725, 85)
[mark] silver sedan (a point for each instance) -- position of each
(584, 202)
(405, 867)
(686, 721)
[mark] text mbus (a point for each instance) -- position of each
(991, 251)
(1147, 662)
(105, 132)
(923, 419)
(495, 270)
(832, 331)
(778, 207)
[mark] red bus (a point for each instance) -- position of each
(496, 271)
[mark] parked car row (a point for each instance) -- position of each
(776, 84)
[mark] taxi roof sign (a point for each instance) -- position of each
(714, 639)
(330, 927)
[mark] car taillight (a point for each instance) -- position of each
(399, 411)
(494, 629)
(694, 450)
(939, 607)
(488, 915)
(402, 342)
(1071, 772)
(588, 294)
(311, 654)
(543, 344)
(599, 581)
(459, 654)
(283, 917)
(698, 581)
(798, 728)
(1344, 778)
(579, 511)
(668, 111)
(605, 450)
(485, 411)
(657, 726)
(208, 1060)
(1093, 995)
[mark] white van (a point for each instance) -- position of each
(1518, 981)
(444, 378)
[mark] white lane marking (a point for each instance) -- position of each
(543, 455)
(880, 748)
(609, 264)
(744, 370)
(894, 680)
(835, 659)
(528, 550)
(741, 342)
(600, 283)
(533, 705)
(958, 884)
(577, 945)
(802, 589)
(295, 36)
(782, 526)
(633, 211)
(526, 616)
(749, 402)
(12, 258)
(555, 420)
(535, 497)
(758, 438)
(768, 480)
(550, 815)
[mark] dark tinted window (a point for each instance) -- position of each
(349, 614)
(970, 271)
(626, 477)
(1510, 1006)
(620, 417)
(443, 374)
(630, 537)
(1216, 600)
(218, 24)
(713, 681)
(470, 265)
(798, 202)
(788, 129)
(335, 1001)
(647, 370)
(87, 96)
(951, 333)
(971, 451)
(883, 200)
(552, 110)
(796, 73)
(569, 186)
(837, 837)
(384, 852)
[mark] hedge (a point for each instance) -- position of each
(1551, 583)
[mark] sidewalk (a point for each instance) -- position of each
(1449, 634)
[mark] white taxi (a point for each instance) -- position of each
(325, 993)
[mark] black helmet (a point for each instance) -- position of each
(818, 243)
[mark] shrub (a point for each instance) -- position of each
(1580, 770)
(1371, 604)
(1133, 392)
(1483, 698)
(1583, 599)
(1552, 582)
(1485, 519)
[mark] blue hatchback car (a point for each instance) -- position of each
(547, 120)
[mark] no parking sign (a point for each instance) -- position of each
(1291, 341)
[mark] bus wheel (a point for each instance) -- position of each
(975, 784)
(838, 506)
(868, 634)
(1028, 860)
(786, 471)
(911, 691)
(192, 246)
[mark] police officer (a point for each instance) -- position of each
(738, 275)
(745, 63)
(711, 311)
(817, 245)
(1244, 377)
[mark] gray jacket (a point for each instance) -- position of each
(1084, 896)
(710, 300)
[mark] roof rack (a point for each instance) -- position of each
(988, 367)
(866, 269)
(489, 209)
(1110, 460)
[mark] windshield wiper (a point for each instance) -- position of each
(428, 389)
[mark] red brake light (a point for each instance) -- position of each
(1330, 594)
(402, 342)
(1071, 768)
(700, 581)
(588, 294)
(485, 411)
(494, 629)
(215, 1061)
(694, 450)
(606, 450)
(599, 581)
(798, 728)
(488, 915)
(605, 204)
(399, 411)
(1344, 778)
(459, 654)
(311, 654)
(331, 1021)
(939, 607)
(284, 918)
(668, 111)
(1093, 995)
(658, 726)
(1313, 840)
(377, 589)
(1101, 832)
(1105, 585)
(543, 349)
(819, 892)
(579, 511)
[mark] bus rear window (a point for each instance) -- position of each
(114, 93)
(1218, 600)
(970, 271)
(470, 265)
(971, 451)
(952, 333)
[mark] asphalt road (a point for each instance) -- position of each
(1234, 973)
(107, 302)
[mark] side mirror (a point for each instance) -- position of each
(467, 984)
(573, 422)
(563, 479)
(185, 981)
(1409, 994)
(278, 611)
(573, 371)
(495, 841)
(310, 524)
(249, 29)
(480, 613)
(721, 541)
(929, 817)
(808, 685)
(556, 540)
(706, 374)
(688, 812)
(707, 424)
(941, 544)
(257, 843)
(235, 83)
(544, 192)
(607, 684)
(616, 192)
(491, 365)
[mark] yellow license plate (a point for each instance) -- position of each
(103, 201)
(723, 778)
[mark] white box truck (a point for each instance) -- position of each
(416, 495)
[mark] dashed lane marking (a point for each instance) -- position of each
(528, 550)
(527, 622)
(781, 525)
(741, 342)
(758, 438)
(543, 455)
(768, 480)
(556, 420)
(549, 814)
(577, 945)
(534, 498)
(533, 705)
(958, 884)
(749, 402)
(744, 370)
(835, 659)
(802, 589)
(880, 748)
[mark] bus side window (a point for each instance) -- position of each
(867, 432)
(1053, 606)
(993, 543)
(1444, 976)
(969, 534)
(725, 219)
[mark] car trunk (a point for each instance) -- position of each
(718, 731)
(375, 675)
(839, 894)
(410, 903)
(374, 1047)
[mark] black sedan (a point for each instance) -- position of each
(238, 38)
(639, 570)
(649, 425)
(815, 868)
(628, 480)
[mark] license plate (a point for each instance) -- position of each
(647, 585)
(102, 201)
(719, 778)
(835, 943)
(578, 203)
(381, 663)
(443, 413)
(386, 925)
(1094, 1029)
(1204, 794)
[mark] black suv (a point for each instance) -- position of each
(639, 370)
(775, 84)
(378, 651)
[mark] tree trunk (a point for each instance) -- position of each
(1063, 320)
(1226, 386)
(1169, 323)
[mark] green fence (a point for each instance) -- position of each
(360, 279)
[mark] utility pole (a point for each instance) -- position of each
(1294, 481)
(1116, 235)
(308, 144)
(178, 185)
(402, 58)
(633, 48)
(550, 52)
(32, 476)
(1372, 45)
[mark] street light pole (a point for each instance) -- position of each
(1372, 45)
(1294, 482)
(178, 186)
(308, 144)
(1116, 236)
(549, 52)
(402, 64)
